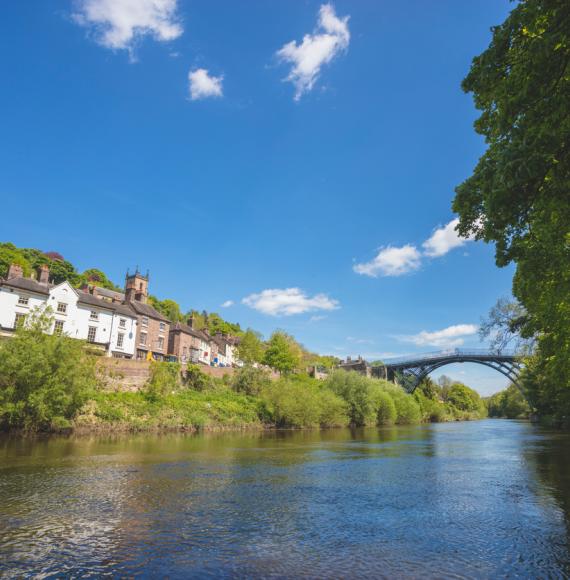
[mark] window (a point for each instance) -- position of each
(62, 307)
(58, 327)
(162, 326)
(143, 338)
(144, 321)
(123, 323)
(94, 315)
(160, 342)
(23, 300)
(19, 320)
(120, 339)
(91, 334)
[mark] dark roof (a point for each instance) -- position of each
(109, 293)
(147, 310)
(27, 284)
(91, 300)
(189, 330)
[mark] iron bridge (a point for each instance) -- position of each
(409, 371)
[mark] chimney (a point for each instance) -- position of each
(191, 322)
(44, 274)
(15, 271)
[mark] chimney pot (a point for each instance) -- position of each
(15, 271)
(44, 274)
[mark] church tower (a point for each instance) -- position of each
(136, 287)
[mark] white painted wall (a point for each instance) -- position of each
(9, 304)
(76, 318)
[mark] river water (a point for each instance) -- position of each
(485, 499)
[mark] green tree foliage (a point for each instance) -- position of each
(250, 380)
(303, 403)
(360, 394)
(196, 379)
(164, 379)
(9, 255)
(518, 196)
(44, 379)
(386, 413)
(283, 353)
(464, 399)
(167, 307)
(97, 278)
(509, 403)
(250, 348)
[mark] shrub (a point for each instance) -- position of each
(386, 413)
(195, 378)
(164, 379)
(359, 394)
(250, 380)
(44, 379)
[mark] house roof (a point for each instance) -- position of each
(91, 300)
(147, 310)
(27, 284)
(189, 330)
(110, 293)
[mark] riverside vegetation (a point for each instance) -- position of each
(50, 382)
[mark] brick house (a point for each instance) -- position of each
(188, 344)
(152, 326)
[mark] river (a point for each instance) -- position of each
(484, 499)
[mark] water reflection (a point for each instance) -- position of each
(482, 499)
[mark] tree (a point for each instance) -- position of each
(283, 353)
(518, 195)
(99, 278)
(44, 379)
(250, 348)
(9, 255)
(168, 308)
(503, 326)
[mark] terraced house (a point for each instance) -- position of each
(110, 327)
(152, 328)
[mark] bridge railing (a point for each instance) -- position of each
(451, 353)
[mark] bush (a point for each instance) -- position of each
(164, 379)
(359, 394)
(44, 379)
(250, 380)
(303, 403)
(196, 379)
(386, 413)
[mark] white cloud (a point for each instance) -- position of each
(443, 240)
(391, 261)
(227, 304)
(118, 24)
(330, 38)
(446, 338)
(202, 85)
(288, 301)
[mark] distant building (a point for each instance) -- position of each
(358, 365)
(110, 327)
(188, 344)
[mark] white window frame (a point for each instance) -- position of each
(23, 300)
(143, 338)
(144, 321)
(94, 315)
(120, 339)
(61, 308)
(122, 323)
(161, 342)
(19, 316)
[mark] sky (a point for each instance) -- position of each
(288, 164)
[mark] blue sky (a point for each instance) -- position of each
(294, 158)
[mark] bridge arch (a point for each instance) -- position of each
(410, 371)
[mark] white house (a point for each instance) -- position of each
(109, 326)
